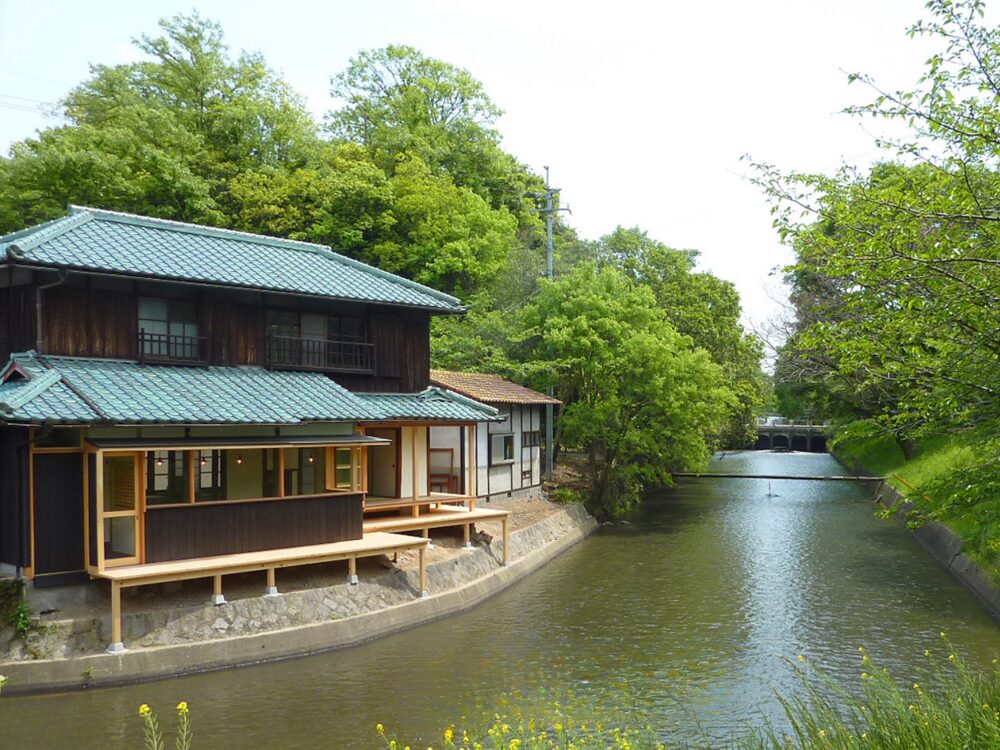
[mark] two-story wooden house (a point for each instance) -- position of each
(174, 392)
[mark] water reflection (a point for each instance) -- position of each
(689, 614)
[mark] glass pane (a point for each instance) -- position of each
(166, 477)
(119, 537)
(211, 476)
(313, 325)
(152, 309)
(119, 483)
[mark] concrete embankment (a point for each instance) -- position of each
(164, 641)
(940, 542)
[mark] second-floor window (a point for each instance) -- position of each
(168, 329)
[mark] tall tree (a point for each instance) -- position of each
(907, 253)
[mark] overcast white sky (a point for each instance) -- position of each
(641, 109)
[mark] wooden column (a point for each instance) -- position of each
(272, 586)
(473, 466)
(117, 646)
(506, 538)
(423, 571)
(217, 597)
(352, 570)
(194, 468)
(413, 470)
(280, 466)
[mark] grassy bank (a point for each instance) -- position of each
(952, 478)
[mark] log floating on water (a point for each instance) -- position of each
(718, 475)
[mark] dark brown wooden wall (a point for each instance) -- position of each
(14, 511)
(205, 529)
(82, 322)
(58, 513)
(17, 320)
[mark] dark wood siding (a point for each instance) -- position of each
(84, 320)
(17, 320)
(14, 532)
(204, 529)
(235, 331)
(58, 513)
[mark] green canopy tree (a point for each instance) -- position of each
(698, 305)
(639, 399)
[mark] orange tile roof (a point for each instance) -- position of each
(489, 388)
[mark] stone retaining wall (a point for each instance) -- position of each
(69, 654)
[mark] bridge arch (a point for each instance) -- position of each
(818, 444)
(779, 440)
(800, 443)
(763, 442)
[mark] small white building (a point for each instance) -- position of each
(508, 452)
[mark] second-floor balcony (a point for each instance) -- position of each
(313, 353)
(174, 349)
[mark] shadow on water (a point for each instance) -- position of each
(690, 611)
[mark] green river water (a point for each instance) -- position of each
(688, 615)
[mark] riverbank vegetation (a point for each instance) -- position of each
(951, 709)
(896, 283)
(407, 172)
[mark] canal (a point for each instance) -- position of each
(689, 614)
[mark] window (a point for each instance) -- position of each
(168, 329)
(531, 439)
(313, 340)
(344, 475)
(501, 449)
(166, 477)
(211, 476)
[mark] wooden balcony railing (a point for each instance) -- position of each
(164, 347)
(307, 353)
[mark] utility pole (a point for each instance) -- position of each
(549, 211)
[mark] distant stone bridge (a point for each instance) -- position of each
(789, 434)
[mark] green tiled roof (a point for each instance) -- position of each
(433, 404)
(110, 242)
(125, 392)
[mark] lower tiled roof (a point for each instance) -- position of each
(126, 392)
(432, 404)
(490, 388)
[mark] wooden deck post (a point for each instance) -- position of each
(467, 535)
(352, 571)
(272, 587)
(217, 597)
(423, 571)
(117, 646)
(506, 538)
(473, 465)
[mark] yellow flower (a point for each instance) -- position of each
(379, 728)
(864, 675)
(951, 657)
(822, 733)
(144, 710)
(927, 652)
(801, 657)
(448, 734)
(864, 735)
(182, 708)
(861, 649)
(916, 686)
(942, 634)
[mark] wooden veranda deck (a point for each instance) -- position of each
(372, 544)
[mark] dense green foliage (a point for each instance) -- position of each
(897, 276)
(408, 174)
